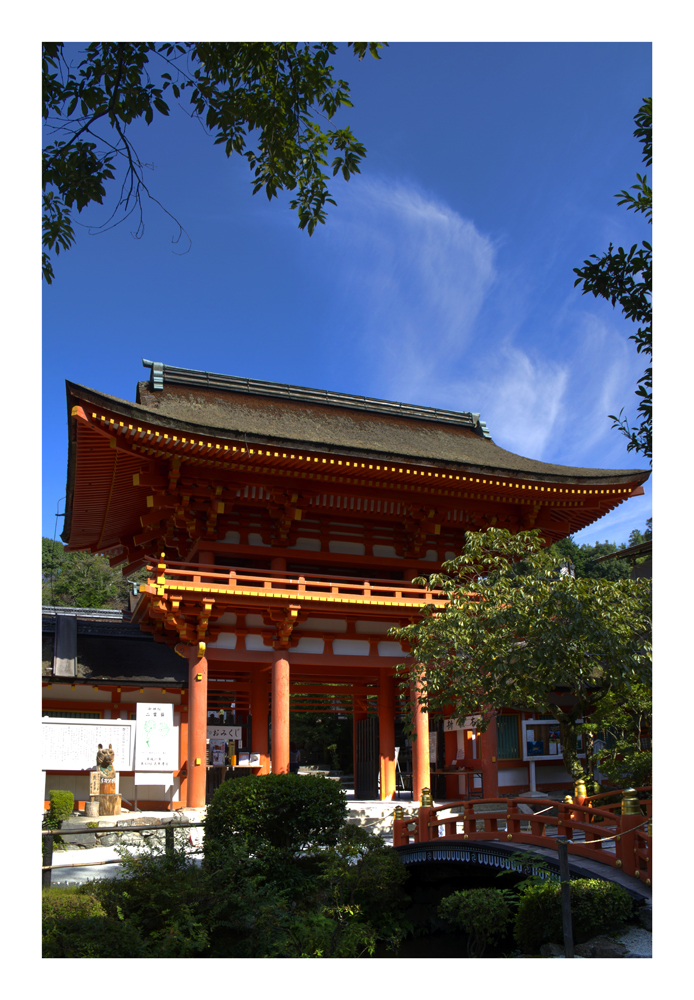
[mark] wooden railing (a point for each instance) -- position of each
(48, 836)
(172, 575)
(622, 841)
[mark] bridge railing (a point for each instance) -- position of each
(622, 841)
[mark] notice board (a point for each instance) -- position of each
(72, 744)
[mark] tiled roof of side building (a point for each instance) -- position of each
(289, 416)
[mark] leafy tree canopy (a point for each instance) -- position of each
(265, 101)
(82, 579)
(517, 633)
(625, 277)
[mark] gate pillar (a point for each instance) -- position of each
(280, 713)
(197, 729)
(260, 699)
(386, 734)
(421, 777)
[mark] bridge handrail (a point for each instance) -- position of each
(632, 843)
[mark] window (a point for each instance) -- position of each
(507, 737)
(70, 715)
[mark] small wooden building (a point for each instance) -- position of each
(283, 527)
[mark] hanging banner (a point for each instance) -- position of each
(156, 740)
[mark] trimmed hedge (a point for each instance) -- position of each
(597, 907)
(282, 811)
(61, 806)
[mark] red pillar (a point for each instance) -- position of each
(386, 734)
(260, 698)
(197, 729)
(487, 754)
(183, 754)
(421, 777)
(280, 713)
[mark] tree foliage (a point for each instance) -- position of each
(264, 101)
(516, 633)
(82, 579)
(624, 727)
(625, 277)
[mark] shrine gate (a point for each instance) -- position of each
(283, 527)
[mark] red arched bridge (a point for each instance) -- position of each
(618, 834)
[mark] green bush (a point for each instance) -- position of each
(596, 908)
(336, 901)
(62, 903)
(93, 937)
(483, 913)
(281, 811)
(60, 808)
(75, 925)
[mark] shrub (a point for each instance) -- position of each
(597, 907)
(62, 903)
(282, 811)
(93, 937)
(75, 925)
(60, 808)
(483, 913)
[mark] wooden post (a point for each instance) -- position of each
(420, 746)
(386, 734)
(197, 729)
(280, 713)
(563, 852)
(47, 860)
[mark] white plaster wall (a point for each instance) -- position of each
(322, 625)
(373, 628)
(389, 649)
(255, 642)
(347, 548)
(308, 544)
(227, 640)
(513, 776)
(385, 552)
(350, 647)
(308, 644)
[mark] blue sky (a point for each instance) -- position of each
(443, 277)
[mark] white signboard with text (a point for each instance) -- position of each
(470, 722)
(72, 744)
(156, 741)
(224, 733)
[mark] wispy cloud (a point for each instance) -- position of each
(442, 323)
(422, 274)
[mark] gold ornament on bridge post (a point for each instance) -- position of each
(580, 792)
(630, 803)
(427, 800)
